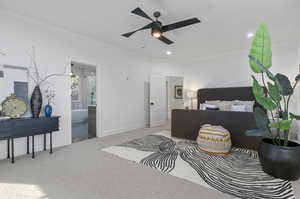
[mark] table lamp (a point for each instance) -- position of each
(191, 95)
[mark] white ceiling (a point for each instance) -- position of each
(225, 23)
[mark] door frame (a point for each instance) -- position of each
(99, 89)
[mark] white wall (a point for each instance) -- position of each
(227, 70)
(123, 74)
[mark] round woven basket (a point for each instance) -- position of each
(214, 139)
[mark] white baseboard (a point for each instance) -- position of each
(109, 132)
(159, 123)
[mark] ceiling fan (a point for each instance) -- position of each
(157, 28)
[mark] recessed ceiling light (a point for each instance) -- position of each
(169, 52)
(250, 35)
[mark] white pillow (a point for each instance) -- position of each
(213, 102)
(212, 106)
(223, 105)
(240, 108)
(249, 104)
(227, 105)
(204, 105)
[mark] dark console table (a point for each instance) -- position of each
(27, 127)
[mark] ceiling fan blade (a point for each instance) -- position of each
(150, 25)
(180, 24)
(140, 12)
(165, 40)
(128, 34)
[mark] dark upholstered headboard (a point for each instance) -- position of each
(225, 94)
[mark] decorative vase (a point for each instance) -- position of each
(279, 161)
(48, 110)
(36, 102)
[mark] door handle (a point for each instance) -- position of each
(151, 103)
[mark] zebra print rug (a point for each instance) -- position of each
(238, 174)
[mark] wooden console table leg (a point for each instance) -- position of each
(51, 143)
(33, 155)
(27, 144)
(45, 142)
(8, 148)
(12, 151)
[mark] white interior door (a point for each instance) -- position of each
(158, 101)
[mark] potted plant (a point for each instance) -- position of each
(279, 156)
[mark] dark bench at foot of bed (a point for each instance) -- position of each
(186, 124)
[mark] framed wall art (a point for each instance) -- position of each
(178, 92)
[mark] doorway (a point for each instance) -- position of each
(166, 94)
(84, 101)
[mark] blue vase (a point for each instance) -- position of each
(48, 110)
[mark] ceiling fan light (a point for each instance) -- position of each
(157, 34)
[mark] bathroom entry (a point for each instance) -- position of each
(83, 97)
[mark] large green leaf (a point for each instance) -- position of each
(297, 78)
(283, 125)
(267, 103)
(261, 119)
(256, 88)
(294, 116)
(261, 49)
(257, 132)
(274, 92)
(262, 68)
(260, 96)
(285, 87)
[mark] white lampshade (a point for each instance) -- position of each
(191, 94)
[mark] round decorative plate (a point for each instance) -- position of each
(14, 107)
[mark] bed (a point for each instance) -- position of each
(186, 123)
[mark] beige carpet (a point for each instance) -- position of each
(83, 171)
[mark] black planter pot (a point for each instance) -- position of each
(280, 162)
(36, 102)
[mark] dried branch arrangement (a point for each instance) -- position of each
(33, 71)
(50, 95)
